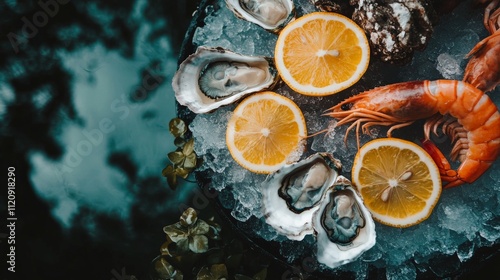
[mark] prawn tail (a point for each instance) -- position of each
(447, 174)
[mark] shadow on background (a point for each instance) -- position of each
(36, 102)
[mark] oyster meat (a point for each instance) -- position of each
(292, 194)
(212, 77)
(344, 227)
(271, 15)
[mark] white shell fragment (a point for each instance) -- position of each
(292, 194)
(213, 77)
(344, 227)
(271, 15)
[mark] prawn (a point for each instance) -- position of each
(462, 111)
(483, 69)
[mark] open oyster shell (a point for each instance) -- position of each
(344, 227)
(271, 15)
(292, 194)
(213, 77)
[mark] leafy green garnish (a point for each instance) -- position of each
(183, 159)
(195, 248)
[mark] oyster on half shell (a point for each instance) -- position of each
(213, 77)
(292, 194)
(271, 15)
(344, 227)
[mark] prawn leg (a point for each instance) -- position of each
(447, 174)
(465, 114)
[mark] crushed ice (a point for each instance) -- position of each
(465, 218)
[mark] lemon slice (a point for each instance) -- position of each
(321, 53)
(399, 182)
(265, 130)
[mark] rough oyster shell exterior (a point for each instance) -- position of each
(395, 28)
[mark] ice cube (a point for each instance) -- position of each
(209, 130)
(305, 7)
(465, 251)
(247, 196)
(444, 266)
(449, 67)
(372, 255)
(223, 29)
(225, 197)
(267, 232)
(241, 213)
(464, 215)
(491, 230)
(360, 269)
(456, 216)
(404, 271)
(327, 140)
